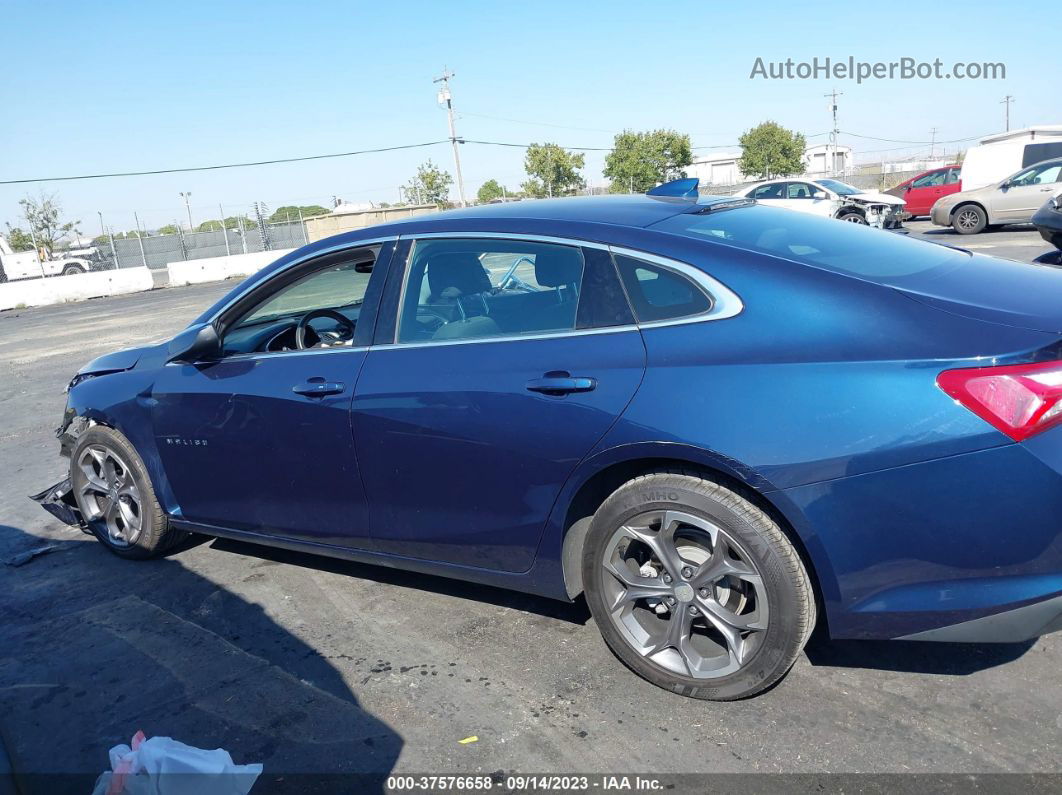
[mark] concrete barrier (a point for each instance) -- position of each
(212, 269)
(78, 287)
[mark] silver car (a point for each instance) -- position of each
(1012, 201)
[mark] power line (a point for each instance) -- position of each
(223, 165)
(899, 141)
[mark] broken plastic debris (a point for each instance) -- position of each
(164, 766)
(468, 740)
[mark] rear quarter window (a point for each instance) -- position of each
(658, 293)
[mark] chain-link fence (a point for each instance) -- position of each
(156, 251)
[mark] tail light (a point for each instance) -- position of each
(1020, 400)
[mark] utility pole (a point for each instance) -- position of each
(831, 150)
(187, 207)
(932, 143)
(445, 97)
(1006, 112)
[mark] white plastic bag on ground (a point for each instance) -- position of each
(164, 766)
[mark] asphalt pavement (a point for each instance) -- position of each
(312, 665)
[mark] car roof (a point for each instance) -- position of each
(636, 210)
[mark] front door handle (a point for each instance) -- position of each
(318, 388)
(561, 384)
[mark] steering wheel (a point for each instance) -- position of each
(344, 331)
(510, 280)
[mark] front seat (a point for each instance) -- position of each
(456, 274)
(562, 270)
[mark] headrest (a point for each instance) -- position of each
(556, 267)
(459, 269)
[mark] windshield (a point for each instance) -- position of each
(842, 188)
(822, 242)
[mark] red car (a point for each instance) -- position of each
(922, 191)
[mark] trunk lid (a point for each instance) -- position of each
(995, 290)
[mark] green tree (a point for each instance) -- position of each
(642, 160)
(490, 190)
(431, 185)
(43, 216)
(290, 212)
(19, 239)
(552, 171)
(770, 150)
(209, 226)
(169, 229)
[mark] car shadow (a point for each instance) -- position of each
(94, 648)
(909, 656)
(575, 612)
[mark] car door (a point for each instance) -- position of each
(1016, 199)
(807, 198)
(924, 192)
(259, 438)
(507, 359)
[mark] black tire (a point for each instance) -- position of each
(969, 219)
(69, 270)
(852, 218)
(787, 588)
(154, 535)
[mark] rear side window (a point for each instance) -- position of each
(658, 293)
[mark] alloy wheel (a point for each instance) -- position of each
(108, 495)
(684, 594)
(968, 219)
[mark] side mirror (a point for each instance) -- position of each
(907, 187)
(194, 343)
(819, 194)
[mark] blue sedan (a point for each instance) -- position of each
(723, 423)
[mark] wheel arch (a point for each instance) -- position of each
(850, 208)
(593, 487)
(967, 203)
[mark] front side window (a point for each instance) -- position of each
(929, 180)
(467, 288)
(319, 308)
(953, 176)
(657, 293)
(1038, 175)
(801, 190)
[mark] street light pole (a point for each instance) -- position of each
(187, 207)
(445, 97)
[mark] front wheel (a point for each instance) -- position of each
(969, 220)
(695, 588)
(852, 218)
(70, 270)
(115, 496)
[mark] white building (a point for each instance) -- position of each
(722, 168)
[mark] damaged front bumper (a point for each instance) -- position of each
(58, 500)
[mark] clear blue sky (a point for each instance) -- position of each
(114, 86)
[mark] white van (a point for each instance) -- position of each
(1000, 155)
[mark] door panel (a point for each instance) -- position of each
(242, 449)
(463, 459)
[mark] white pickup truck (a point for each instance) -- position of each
(25, 264)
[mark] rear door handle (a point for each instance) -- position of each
(565, 384)
(318, 388)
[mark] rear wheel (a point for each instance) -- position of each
(969, 220)
(115, 496)
(695, 588)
